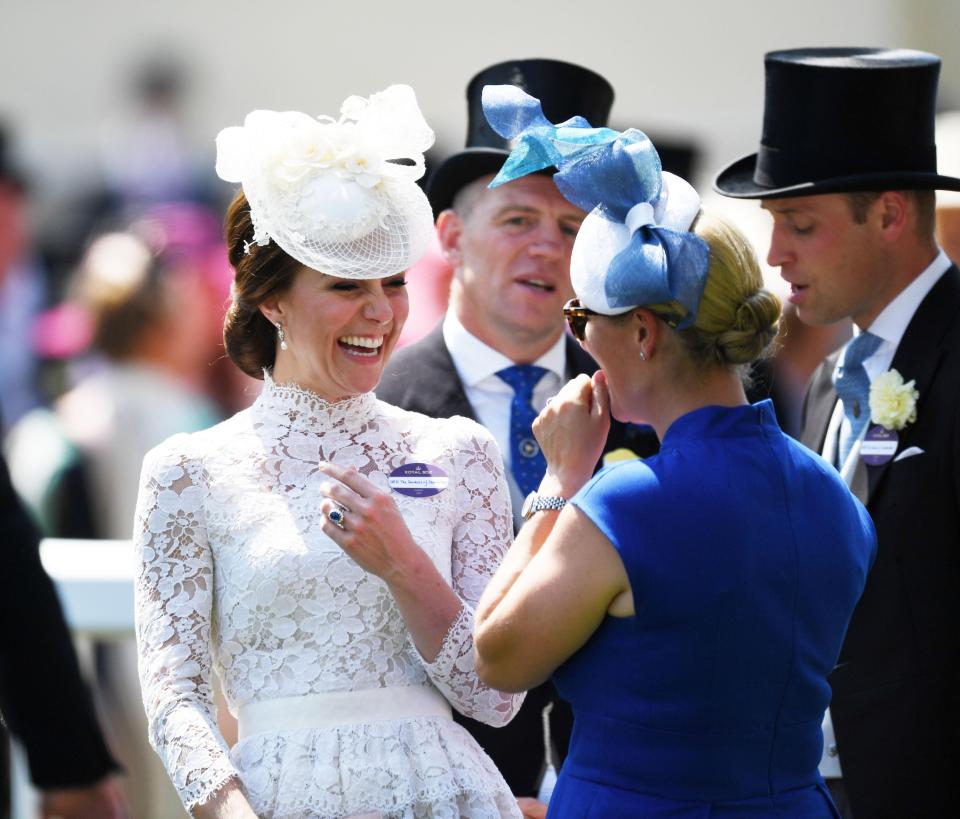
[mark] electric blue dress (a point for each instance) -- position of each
(746, 554)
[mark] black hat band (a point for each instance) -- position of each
(780, 167)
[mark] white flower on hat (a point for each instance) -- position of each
(893, 404)
(326, 191)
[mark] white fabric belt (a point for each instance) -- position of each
(335, 708)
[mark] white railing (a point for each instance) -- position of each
(94, 579)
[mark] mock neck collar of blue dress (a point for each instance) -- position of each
(716, 421)
(302, 410)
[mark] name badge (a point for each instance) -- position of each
(418, 480)
(879, 445)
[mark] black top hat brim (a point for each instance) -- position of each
(737, 181)
(459, 170)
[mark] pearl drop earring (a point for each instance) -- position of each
(281, 335)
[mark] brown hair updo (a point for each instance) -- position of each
(249, 337)
(737, 318)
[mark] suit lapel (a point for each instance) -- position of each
(818, 405)
(440, 390)
(921, 351)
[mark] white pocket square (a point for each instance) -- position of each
(909, 452)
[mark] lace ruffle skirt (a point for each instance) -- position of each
(399, 769)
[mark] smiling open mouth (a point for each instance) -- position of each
(537, 284)
(368, 346)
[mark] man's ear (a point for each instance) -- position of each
(450, 235)
(894, 211)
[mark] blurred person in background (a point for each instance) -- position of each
(501, 350)
(22, 292)
(44, 702)
(148, 158)
(690, 606)
(948, 202)
(148, 302)
(146, 154)
(847, 167)
(153, 298)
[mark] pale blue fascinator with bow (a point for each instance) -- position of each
(635, 246)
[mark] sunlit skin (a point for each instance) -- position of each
(339, 332)
(618, 340)
(511, 258)
(837, 268)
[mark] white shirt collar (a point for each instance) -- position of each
(476, 361)
(892, 322)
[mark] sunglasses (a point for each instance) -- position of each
(576, 315)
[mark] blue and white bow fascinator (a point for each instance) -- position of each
(635, 246)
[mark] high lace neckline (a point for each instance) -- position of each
(305, 410)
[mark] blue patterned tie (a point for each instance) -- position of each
(526, 459)
(853, 388)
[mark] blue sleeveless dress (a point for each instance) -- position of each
(746, 554)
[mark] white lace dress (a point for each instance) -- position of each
(235, 575)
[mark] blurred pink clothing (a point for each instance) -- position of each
(428, 283)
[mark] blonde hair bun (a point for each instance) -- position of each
(755, 326)
(737, 318)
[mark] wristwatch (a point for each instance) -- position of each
(537, 503)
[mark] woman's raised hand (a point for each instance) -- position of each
(371, 529)
(572, 431)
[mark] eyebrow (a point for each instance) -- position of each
(515, 207)
(511, 206)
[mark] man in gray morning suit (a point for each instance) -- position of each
(847, 167)
(502, 340)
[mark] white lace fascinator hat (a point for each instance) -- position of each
(338, 195)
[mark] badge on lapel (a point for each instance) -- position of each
(893, 405)
(418, 480)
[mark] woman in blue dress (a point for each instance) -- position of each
(689, 606)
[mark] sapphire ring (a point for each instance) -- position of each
(336, 516)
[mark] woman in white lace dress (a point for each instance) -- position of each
(322, 551)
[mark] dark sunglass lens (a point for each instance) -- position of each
(578, 326)
(576, 318)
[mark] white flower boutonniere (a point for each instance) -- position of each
(893, 404)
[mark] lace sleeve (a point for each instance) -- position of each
(174, 595)
(481, 537)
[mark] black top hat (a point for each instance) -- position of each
(564, 90)
(839, 120)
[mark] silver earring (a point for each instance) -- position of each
(281, 336)
(643, 355)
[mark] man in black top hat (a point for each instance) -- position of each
(847, 168)
(502, 342)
